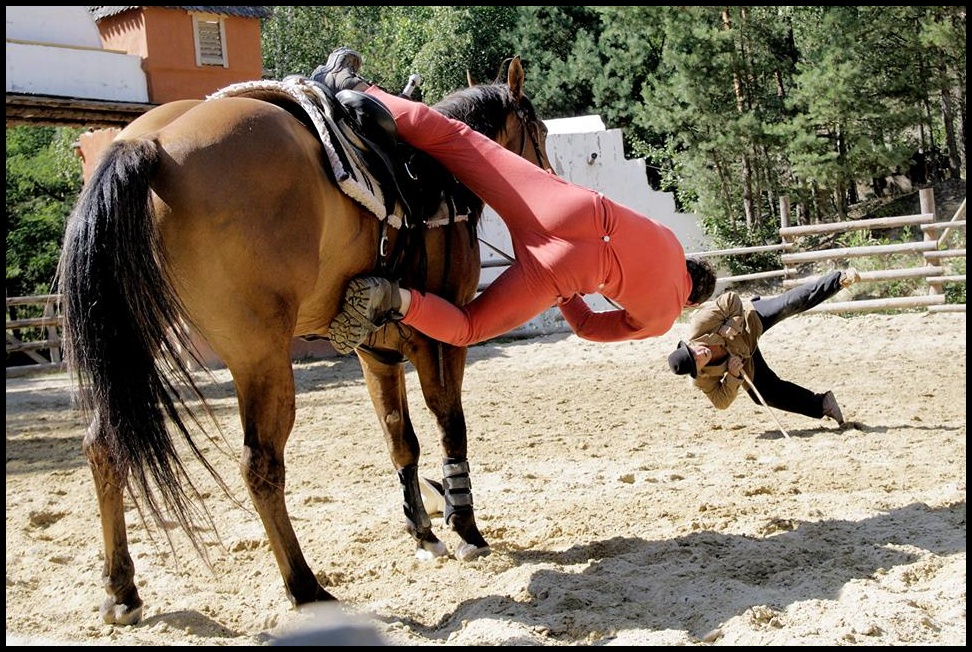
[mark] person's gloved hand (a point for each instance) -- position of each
(735, 366)
(727, 331)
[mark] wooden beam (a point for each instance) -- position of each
(58, 111)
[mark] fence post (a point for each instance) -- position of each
(784, 222)
(926, 203)
(50, 312)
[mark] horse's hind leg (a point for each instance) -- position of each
(441, 369)
(385, 379)
(267, 409)
(123, 606)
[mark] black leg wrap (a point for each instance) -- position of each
(457, 486)
(413, 505)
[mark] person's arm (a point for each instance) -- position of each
(715, 316)
(609, 325)
(721, 392)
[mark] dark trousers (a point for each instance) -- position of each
(778, 393)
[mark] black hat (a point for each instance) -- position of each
(682, 360)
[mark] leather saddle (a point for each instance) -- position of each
(419, 184)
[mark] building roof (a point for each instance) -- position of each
(246, 12)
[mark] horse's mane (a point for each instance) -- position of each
(483, 107)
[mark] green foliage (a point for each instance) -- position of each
(43, 181)
(955, 292)
(298, 39)
(440, 43)
(741, 106)
(480, 40)
(558, 46)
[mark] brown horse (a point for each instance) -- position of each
(221, 217)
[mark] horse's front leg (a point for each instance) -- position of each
(123, 606)
(267, 409)
(385, 378)
(441, 370)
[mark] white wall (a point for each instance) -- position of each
(53, 25)
(57, 51)
(582, 151)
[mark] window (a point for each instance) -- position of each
(209, 35)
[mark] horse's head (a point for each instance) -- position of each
(523, 124)
(503, 112)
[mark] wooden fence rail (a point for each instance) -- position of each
(927, 252)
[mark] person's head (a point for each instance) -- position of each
(703, 280)
(688, 358)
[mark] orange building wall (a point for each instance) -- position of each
(124, 33)
(163, 37)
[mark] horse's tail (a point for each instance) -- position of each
(125, 334)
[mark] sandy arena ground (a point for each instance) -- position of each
(622, 508)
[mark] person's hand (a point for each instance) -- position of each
(735, 366)
(727, 331)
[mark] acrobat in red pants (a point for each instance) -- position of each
(567, 240)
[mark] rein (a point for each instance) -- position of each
(528, 133)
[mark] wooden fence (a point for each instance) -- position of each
(929, 255)
(47, 327)
(928, 252)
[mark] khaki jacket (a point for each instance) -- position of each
(728, 308)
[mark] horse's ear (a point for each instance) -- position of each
(469, 78)
(514, 77)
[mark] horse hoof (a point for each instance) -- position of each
(466, 552)
(426, 551)
(119, 614)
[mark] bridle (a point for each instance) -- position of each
(527, 128)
